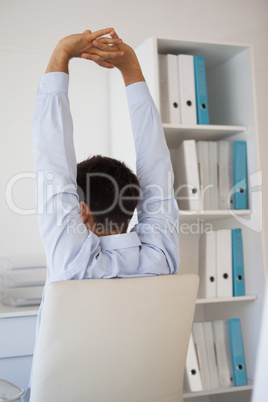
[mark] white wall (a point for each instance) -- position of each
(20, 71)
(29, 29)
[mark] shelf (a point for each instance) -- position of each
(9, 311)
(215, 54)
(175, 134)
(218, 391)
(189, 216)
(230, 90)
(226, 299)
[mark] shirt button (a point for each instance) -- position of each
(42, 85)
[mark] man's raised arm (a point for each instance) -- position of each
(157, 209)
(55, 161)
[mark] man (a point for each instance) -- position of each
(106, 250)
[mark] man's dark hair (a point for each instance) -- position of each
(110, 189)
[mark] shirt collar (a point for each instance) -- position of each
(119, 241)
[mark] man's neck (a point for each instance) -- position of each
(101, 234)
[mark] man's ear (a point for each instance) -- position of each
(86, 215)
(82, 209)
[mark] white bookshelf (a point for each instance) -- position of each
(224, 391)
(188, 216)
(227, 299)
(175, 134)
(231, 99)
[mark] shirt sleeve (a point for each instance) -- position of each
(67, 243)
(157, 209)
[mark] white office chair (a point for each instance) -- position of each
(114, 340)
(260, 388)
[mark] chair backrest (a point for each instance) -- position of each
(260, 388)
(114, 340)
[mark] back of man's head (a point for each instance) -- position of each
(111, 191)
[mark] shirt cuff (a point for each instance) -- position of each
(137, 92)
(53, 82)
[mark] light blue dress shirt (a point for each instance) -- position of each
(72, 252)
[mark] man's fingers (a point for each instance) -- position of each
(103, 55)
(106, 44)
(114, 35)
(106, 41)
(105, 64)
(104, 48)
(102, 32)
(99, 44)
(97, 59)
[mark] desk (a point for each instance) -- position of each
(17, 338)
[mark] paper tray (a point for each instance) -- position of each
(18, 277)
(24, 296)
(9, 392)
